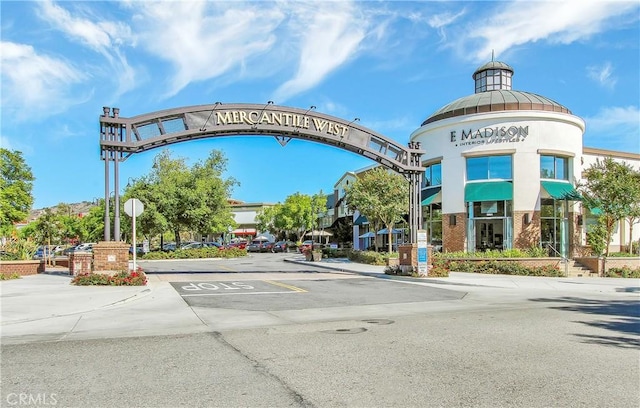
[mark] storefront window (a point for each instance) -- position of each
(432, 222)
(554, 226)
(554, 167)
(432, 175)
(489, 167)
(489, 226)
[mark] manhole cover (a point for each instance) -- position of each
(354, 330)
(379, 321)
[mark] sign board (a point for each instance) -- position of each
(423, 260)
(133, 205)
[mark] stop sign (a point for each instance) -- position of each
(133, 206)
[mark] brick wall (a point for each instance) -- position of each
(453, 236)
(110, 256)
(526, 235)
(22, 268)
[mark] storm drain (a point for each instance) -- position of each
(354, 330)
(379, 321)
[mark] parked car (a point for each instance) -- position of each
(46, 251)
(267, 247)
(283, 246)
(67, 251)
(258, 245)
(306, 245)
(139, 249)
(170, 246)
(239, 245)
(88, 246)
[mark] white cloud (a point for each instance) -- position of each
(617, 127)
(104, 37)
(205, 40)
(525, 22)
(329, 38)
(602, 75)
(35, 85)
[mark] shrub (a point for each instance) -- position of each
(15, 275)
(533, 252)
(122, 278)
(623, 272)
(336, 253)
(367, 257)
(196, 253)
(18, 249)
(622, 255)
(495, 267)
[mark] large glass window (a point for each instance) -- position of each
(489, 167)
(554, 226)
(432, 222)
(432, 175)
(554, 167)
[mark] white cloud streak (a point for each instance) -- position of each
(205, 40)
(602, 75)
(330, 37)
(557, 22)
(35, 85)
(104, 37)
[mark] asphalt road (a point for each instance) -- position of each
(346, 341)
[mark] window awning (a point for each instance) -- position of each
(244, 231)
(561, 190)
(360, 220)
(488, 191)
(430, 195)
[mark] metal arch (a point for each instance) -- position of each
(121, 137)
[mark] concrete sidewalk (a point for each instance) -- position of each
(582, 285)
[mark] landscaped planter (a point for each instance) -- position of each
(22, 268)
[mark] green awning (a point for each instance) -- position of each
(430, 195)
(595, 211)
(561, 190)
(360, 220)
(488, 191)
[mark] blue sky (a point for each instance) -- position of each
(391, 64)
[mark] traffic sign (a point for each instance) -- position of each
(133, 205)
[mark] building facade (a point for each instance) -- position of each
(500, 170)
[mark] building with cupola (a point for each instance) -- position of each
(500, 169)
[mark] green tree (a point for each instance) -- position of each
(182, 198)
(633, 217)
(16, 184)
(48, 228)
(381, 196)
(297, 215)
(268, 219)
(70, 224)
(93, 223)
(614, 189)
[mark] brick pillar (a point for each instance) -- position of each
(453, 236)
(526, 235)
(408, 254)
(111, 256)
(80, 262)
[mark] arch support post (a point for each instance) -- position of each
(112, 129)
(415, 179)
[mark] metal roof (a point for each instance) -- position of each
(496, 101)
(493, 65)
